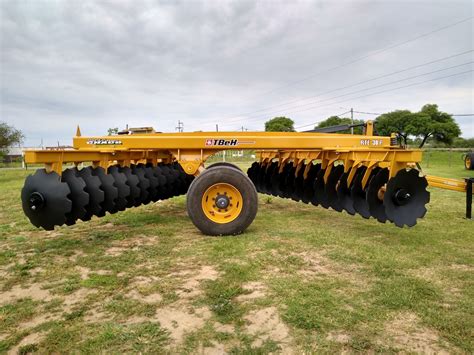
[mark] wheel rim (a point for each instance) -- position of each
(222, 203)
(468, 162)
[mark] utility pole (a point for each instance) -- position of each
(352, 120)
(217, 127)
(180, 126)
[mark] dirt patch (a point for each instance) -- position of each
(223, 328)
(107, 226)
(179, 318)
(95, 315)
(151, 298)
(34, 291)
(77, 254)
(428, 274)
(121, 246)
(316, 264)
(76, 298)
(179, 321)
(462, 267)
(30, 339)
(34, 322)
(435, 276)
(215, 349)
(405, 333)
(266, 324)
(339, 337)
(142, 281)
(253, 290)
(114, 251)
(83, 272)
(50, 234)
(191, 287)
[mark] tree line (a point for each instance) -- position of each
(427, 125)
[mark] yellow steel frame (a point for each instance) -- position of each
(192, 149)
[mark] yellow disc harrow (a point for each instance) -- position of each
(372, 176)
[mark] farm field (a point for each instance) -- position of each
(300, 279)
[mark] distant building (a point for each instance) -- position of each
(12, 154)
(137, 130)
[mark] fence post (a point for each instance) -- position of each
(469, 182)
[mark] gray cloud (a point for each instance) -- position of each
(103, 64)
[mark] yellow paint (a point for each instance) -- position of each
(222, 215)
(192, 149)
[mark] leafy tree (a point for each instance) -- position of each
(112, 131)
(463, 142)
(395, 122)
(9, 136)
(430, 122)
(336, 121)
(280, 124)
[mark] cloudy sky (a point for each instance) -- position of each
(106, 64)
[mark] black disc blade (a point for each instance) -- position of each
(176, 180)
(268, 177)
(308, 188)
(143, 184)
(344, 194)
(320, 197)
(405, 197)
(358, 193)
(252, 172)
(132, 181)
(161, 182)
(289, 181)
(96, 194)
(187, 178)
(183, 186)
(78, 196)
(169, 180)
(275, 182)
(122, 188)
(375, 198)
(282, 178)
(331, 187)
(45, 199)
(298, 184)
(110, 191)
(262, 172)
(154, 183)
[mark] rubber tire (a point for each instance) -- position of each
(471, 157)
(222, 174)
(223, 163)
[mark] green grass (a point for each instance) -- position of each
(322, 272)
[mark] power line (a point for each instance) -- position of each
(388, 90)
(312, 124)
(369, 55)
(463, 114)
(366, 89)
(252, 113)
(368, 113)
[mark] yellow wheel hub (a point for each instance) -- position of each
(222, 203)
(468, 162)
